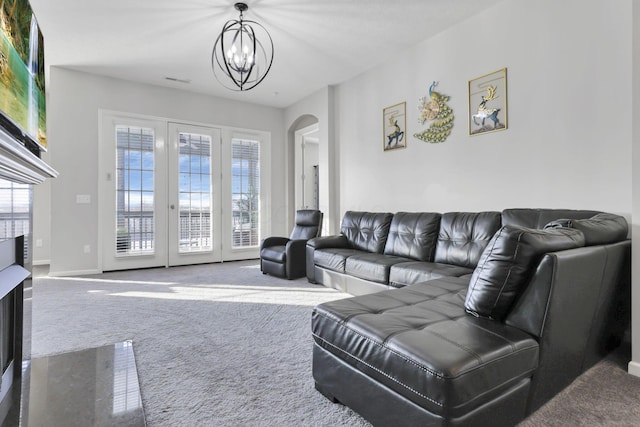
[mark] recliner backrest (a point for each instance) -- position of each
(464, 235)
(308, 225)
(413, 235)
(366, 231)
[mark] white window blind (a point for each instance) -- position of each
(135, 217)
(245, 192)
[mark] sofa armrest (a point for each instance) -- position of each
(573, 304)
(337, 241)
(273, 241)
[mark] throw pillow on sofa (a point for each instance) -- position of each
(600, 229)
(506, 264)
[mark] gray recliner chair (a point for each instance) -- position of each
(286, 257)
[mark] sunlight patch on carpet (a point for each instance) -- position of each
(241, 294)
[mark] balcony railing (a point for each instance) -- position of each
(136, 233)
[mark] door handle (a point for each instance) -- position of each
(172, 206)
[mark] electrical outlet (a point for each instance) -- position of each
(83, 199)
(87, 249)
(38, 243)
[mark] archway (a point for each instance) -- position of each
(294, 135)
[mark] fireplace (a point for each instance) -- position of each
(12, 277)
(20, 169)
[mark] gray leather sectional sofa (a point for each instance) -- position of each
(466, 318)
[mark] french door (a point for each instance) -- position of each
(163, 202)
(195, 195)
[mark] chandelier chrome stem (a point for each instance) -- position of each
(239, 54)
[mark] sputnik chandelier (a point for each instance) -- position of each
(243, 52)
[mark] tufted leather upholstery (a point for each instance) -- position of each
(600, 229)
(538, 218)
(408, 273)
(413, 235)
(506, 264)
(284, 257)
(372, 267)
(419, 342)
(413, 354)
(464, 235)
(366, 231)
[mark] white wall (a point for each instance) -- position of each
(569, 139)
(75, 99)
(42, 219)
(321, 105)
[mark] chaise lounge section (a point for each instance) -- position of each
(466, 318)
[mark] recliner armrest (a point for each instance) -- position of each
(274, 241)
(295, 258)
(296, 245)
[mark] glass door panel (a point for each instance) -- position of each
(135, 213)
(162, 196)
(194, 226)
(245, 193)
(194, 192)
(132, 194)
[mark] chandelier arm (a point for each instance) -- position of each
(227, 70)
(242, 67)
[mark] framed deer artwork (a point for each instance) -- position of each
(394, 125)
(488, 103)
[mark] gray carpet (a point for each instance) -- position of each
(224, 345)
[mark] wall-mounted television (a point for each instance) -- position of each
(22, 77)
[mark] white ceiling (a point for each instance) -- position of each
(317, 42)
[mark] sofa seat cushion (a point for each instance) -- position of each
(333, 259)
(408, 273)
(372, 267)
(274, 253)
(419, 342)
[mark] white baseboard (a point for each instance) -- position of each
(634, 368)
(41, 262)
(73, 273)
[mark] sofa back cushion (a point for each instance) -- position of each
(413, 235)
(506, 264)
(464, 235)
(600, 229)
(538, 218)
(366, 231)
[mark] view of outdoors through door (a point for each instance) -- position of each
(245, 192)
(194, 227)
(178, 194)
(135, 222)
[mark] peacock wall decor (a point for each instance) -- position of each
(436, 110)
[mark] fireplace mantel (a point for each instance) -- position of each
(18, 164)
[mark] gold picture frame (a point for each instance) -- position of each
(488, 103)
(394, 127)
